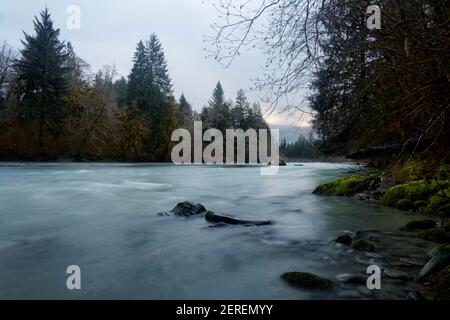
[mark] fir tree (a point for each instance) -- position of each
(41, 73)
(185, 107)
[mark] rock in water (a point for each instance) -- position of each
(215, 218)
(185, 209)
(422, 224)
(434, 234)
(350, 278)
(363, 245)
(440, 258)
(306, 280)
(344, 239)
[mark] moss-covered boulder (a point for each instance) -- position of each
(439, 203)
(422, 224)
(439, 259)
(306, 280)
(344, 186)
(405, 204)
(414, 191)
(363, 245)
(435, 234)
(420, 204)
(440, 284)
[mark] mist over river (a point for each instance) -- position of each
(103, 218)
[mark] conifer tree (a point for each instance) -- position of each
(185, 107)
(41, 73)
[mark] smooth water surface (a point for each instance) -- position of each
(103, 218)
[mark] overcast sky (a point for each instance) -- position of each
(110, 30)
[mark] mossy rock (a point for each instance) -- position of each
(439, 203)
(446, 225)
(420, 224)
(435, 234)
(414, 191)
(344, 186)
(440, 284)
(405, 204)
(209, 215)
(306, 280)
(363, 245)
(420, 204)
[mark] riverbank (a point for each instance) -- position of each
(409, 189)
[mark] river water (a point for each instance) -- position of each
(103, 218)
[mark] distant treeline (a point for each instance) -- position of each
(303, 148)
(52, 107)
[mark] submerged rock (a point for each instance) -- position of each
(420, 224)
(350, 278)
(281, 163)
(396, 274)
(344, 239)
(222, 219)
(363, 245)
(404, 204)
(306, 280)
(185, 209)
(440, 258)
(435, 234)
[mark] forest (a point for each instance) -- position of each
(373, 93)
(52, 107)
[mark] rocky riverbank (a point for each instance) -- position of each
(428, 197)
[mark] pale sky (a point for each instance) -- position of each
(110, 30)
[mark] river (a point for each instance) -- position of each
(103, 218)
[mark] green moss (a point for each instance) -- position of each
(440, 284)
(209, 215)
(344, 186)
(435, 234)
(420, 224)
(409, 171)
(414, 191)
(362, 245)
(306, 280)
(439, 202)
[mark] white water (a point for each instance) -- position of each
(102, 217)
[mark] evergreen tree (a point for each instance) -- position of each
(185, 107)
(138, 79)
(150, 90)
(159, 74)
(218, 113)
(240, 110)
(218, 97)
(41, 72)
(120, 91)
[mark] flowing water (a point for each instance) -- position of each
(103, 218)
